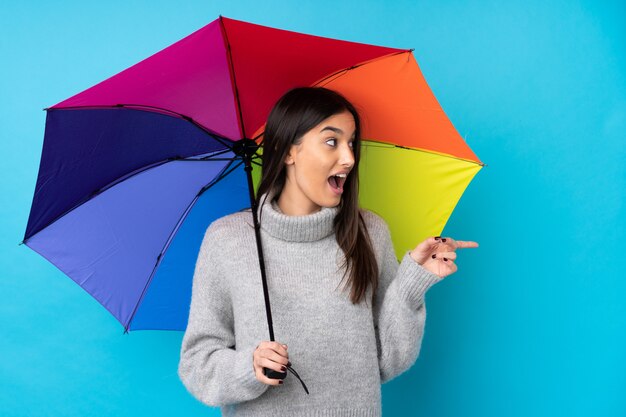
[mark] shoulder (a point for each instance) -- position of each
(230, 226)
(377, 228)
(374, 222)
(379, 234)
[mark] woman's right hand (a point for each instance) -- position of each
(272, 355)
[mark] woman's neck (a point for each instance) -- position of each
(296, 205)
(307, 228)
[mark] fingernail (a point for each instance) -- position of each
(443, 240)
(282, 368)
(434, 255)
(285, 346)
(445, 259)
(280, 381)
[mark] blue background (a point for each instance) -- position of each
(534, 321)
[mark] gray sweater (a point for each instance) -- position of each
(343, 352)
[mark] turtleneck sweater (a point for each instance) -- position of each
(342, 351)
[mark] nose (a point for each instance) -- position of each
(346, 157)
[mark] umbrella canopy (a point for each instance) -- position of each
(136, 167)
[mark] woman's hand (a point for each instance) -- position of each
(272, 355)
(437, 254)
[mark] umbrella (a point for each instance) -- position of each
(134, 168)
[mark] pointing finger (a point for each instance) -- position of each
(466, 244)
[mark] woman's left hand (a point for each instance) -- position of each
(437, 254)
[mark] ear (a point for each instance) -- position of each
(289, 157)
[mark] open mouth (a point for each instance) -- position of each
(337, 181)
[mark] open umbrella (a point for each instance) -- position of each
(136, 167)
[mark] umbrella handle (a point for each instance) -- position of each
(270, 373)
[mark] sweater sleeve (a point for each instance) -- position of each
(399, 308)
(211, 367)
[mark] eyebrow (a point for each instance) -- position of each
(334, 129)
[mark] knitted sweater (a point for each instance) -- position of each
(343, 352)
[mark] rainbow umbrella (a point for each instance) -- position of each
(135, 168)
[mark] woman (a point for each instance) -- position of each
(344, 343)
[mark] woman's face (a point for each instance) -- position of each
(317, 167)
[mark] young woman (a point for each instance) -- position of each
(343, 342)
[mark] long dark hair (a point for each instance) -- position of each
(296, 112)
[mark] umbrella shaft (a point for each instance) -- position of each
(257, 232)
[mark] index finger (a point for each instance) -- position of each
(275, 346)
(466, 244)
(278, 348)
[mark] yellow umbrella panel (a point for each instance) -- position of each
(414, 164)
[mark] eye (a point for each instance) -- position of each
(332, 140)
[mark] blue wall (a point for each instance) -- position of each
(534, 322)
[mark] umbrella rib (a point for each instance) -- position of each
(205, 158)
(220, 177)
(377, 144)
(258, 136)
(104, 188)
(182, 218)
(119, 180)
(231, 69)
(344, 71)
(333, 76)
(149, 109)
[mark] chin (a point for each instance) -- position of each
(327, 200)
(330, 203)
